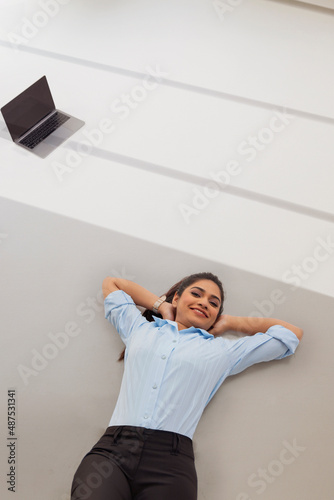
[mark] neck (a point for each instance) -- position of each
(181, 326)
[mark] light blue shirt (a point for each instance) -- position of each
(170, 375)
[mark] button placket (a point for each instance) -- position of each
(154, 393)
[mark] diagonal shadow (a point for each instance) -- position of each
(170, 83)
(202, 181)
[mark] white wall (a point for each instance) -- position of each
(260, 69)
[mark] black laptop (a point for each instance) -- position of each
(34, 122)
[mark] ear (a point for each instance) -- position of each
(175, 299)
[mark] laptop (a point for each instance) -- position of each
(34, 122)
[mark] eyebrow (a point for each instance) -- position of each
(202, 289)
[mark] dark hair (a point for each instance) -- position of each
(179, 288)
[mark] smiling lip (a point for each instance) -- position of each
(196, 309)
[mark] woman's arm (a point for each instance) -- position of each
(140, 296)
(250, 325)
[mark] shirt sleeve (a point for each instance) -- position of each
(121, 311)
(278, 342)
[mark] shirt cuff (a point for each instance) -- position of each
(286, 336)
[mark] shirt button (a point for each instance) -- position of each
(155, 386)
(174, 341)
(163, 356)
(145, 416)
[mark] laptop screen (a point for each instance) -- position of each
(28, 108)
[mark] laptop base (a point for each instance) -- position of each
(56, 138)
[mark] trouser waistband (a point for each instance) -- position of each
(178, 443)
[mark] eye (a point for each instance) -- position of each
(198, 295)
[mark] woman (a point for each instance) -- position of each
(175, 361)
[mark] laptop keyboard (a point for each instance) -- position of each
(41, 132)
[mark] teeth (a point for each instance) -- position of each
(199, 311)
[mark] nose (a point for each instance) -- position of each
(203, 304)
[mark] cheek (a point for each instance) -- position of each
(183, 307)
(185, 302)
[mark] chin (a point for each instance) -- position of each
(201, 324)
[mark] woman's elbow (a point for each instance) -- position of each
(299, 333)
(109, 285)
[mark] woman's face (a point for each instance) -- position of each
(198, 305)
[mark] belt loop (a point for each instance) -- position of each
(176, 443)
(118, 430)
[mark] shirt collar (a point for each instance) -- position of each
(160, 322)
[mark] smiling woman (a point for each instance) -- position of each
(175, 361)
(207, 284)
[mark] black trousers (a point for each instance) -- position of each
(135, 463)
